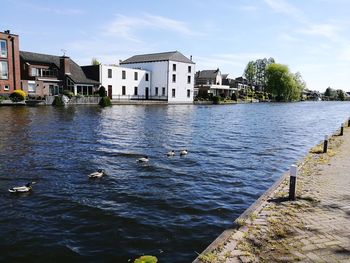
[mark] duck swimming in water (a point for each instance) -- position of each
(22, 189)
(143, 159)
(98, 174)
(183, 152)
(171, 153)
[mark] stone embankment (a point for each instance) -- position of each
(313, 228)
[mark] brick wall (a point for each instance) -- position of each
(13, 63)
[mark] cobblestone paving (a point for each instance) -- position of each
(314, 228)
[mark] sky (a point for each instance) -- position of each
(310, 36)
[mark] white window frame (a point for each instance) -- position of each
(2, 75)
(33, 89)
(6, 87)
(3, 52)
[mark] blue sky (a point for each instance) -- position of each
(311, 36)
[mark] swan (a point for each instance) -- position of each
(98, 174)
(143, 159)
(171, 153)
(183, 152)
(22, 189)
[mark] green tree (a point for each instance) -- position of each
(260, 67)
(281, 83)
(250, 73)
(330, 93)
(340, 95)
(299, 81)
(102, 91)
(94, 61)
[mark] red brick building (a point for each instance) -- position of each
(10, 77)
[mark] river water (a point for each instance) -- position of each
(170, 207)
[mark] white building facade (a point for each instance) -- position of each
(123, 83)
(172, 75)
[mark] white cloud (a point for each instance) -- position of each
(323, 30)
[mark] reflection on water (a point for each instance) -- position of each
(169, 207)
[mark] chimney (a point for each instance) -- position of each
(64, 65)
(7, 31)
(191, 57)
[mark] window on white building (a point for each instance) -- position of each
(188, 79)
(4, 73)
(123, 74)
(146, 76)
(173, 93)
(109, 73)
(123, 90)
(163, 91)
(174, 67)
(189, 69)
(156, 91)
(31, 87)
(3, 48)
(188, 93)
(174, 77)
(135, 91)
(136, 76)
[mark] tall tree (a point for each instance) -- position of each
(301, 84)
(250, 73)
(281, 83)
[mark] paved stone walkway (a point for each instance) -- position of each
(314, 228)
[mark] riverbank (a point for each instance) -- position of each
(314, 228)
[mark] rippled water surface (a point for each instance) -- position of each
(170, 207)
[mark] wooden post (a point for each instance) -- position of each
(349, 122)
(293, 182)
(341, 129)
(325, 144)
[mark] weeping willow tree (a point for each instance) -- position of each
(282, 84)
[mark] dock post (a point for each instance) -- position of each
(325, 144)
(293, 181)
(341, 129)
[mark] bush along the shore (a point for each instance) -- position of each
(58, 101)
(18, 95)
(102, 92)
(216, 99)
(105, 102)
(68, 93)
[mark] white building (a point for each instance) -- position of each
(121, 83)
(172, 75)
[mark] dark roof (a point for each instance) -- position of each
(41, 58)
(77, 74)
(166, 56)
(207, 74)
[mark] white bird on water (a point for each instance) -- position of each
(22, 189)
(143, 159)
(171, 153)
(183, 152)
(98, 174)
